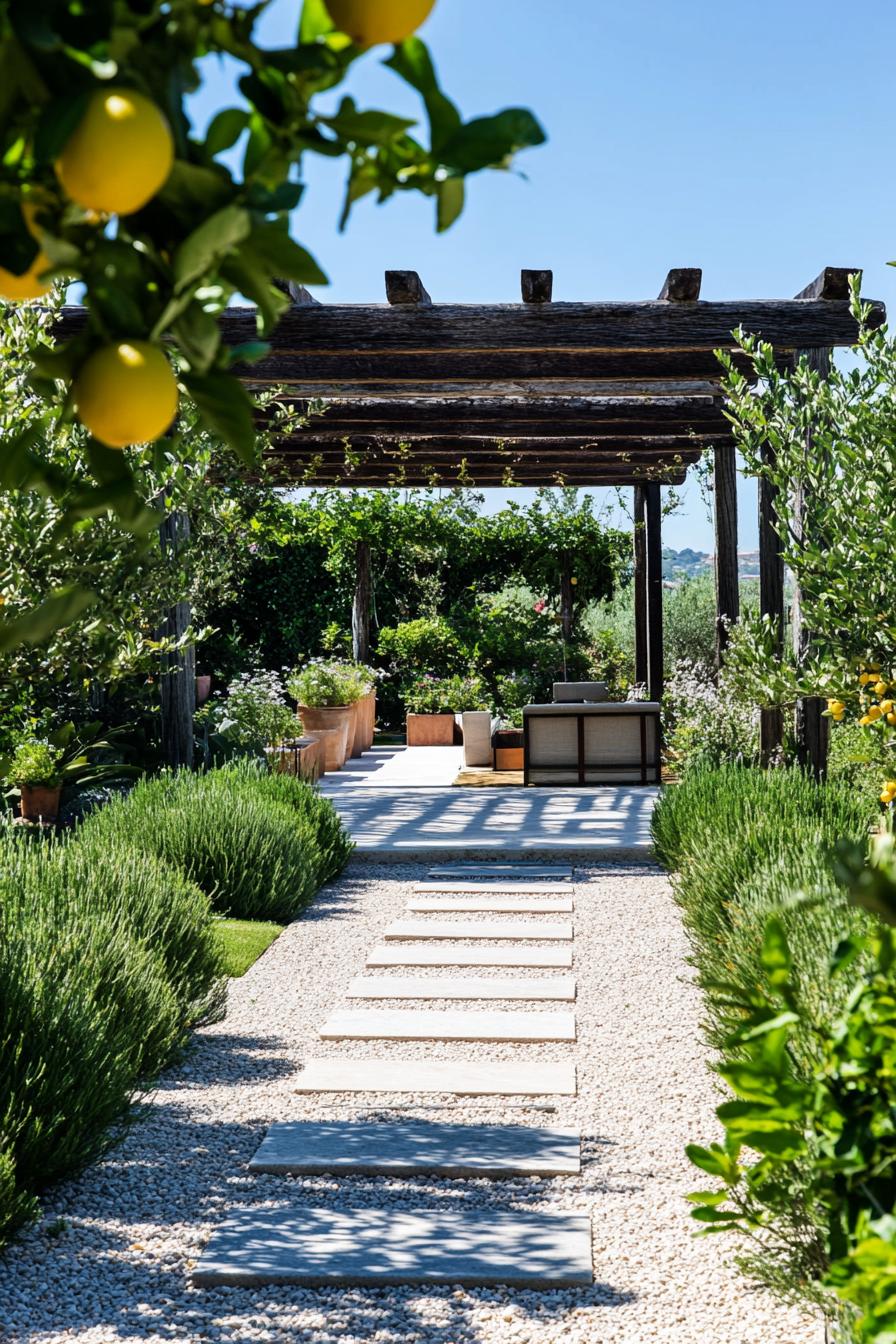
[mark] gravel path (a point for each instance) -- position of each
(117, 1271)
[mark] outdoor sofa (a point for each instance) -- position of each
(584, 738)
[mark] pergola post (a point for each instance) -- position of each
(361, 604)
(727, 587)
(640, 584)
(811, 728)
(771, 600)
(177, 683)
(654, 539)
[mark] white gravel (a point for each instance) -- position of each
(118, 1270)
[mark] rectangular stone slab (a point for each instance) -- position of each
(555, 987)
(314, 1148)
(515, 929)
(494, 905)
(475, 1247)
(427, 1024)
(485, 1078)
(508, 888)
(425, 954)
(464, 870)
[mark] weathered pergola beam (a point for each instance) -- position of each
(682, 285)
(517, 417)
(553, 461)
(592, 327)
(537, 286)
(459, 475)
(687, 446)
(407, 289)
(832, 284)
(426, 370)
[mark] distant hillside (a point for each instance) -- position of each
(688, 564)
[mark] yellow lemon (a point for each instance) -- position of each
(890, 786)
(126, 393)
(28, 285)
(879, 688)
(119, 154)
(866, 677)
(886, 706)
(369, 22)
(873, 713)
(886, 798)
(864, 721)
(891, 718)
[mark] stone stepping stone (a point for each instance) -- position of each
(509, 888)
(515, 929)
(464, 870)
(412, 1024)
(424, 954)
(484, 1078)
(366, 1246)
(495, 905)
(460, 987)
(315, 1148)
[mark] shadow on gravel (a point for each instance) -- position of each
(96, 1274)
(227, 1059)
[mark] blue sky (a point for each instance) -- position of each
(754, 140)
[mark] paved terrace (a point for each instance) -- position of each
(398, 802)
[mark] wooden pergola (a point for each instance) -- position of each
(543, 393)
(539, 393)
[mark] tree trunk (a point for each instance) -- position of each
(566, 606)
(361, 604)
(177, 684)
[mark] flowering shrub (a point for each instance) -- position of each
(705, 722)
(445, 695)
(329, 684)
(253, 714)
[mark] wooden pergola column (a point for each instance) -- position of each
(654, 547)
(640, 584)
(771, 601)
(811, 728)
(727, 584)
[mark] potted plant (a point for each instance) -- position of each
(431, 704)
(36, 773)
(326, 691)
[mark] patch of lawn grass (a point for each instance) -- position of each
(243, 941)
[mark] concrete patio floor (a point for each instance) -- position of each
(398, 802)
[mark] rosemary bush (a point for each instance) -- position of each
(108, 958)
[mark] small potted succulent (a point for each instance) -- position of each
(35, 770)
(431, 704)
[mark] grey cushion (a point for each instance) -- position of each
(568, 692)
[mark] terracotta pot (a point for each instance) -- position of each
(358, 731)
(329, 741)
(203, 689)
(39, 803)
(430, 730)
(340, 717)
(369, 712)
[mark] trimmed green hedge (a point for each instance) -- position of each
(108, 958)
